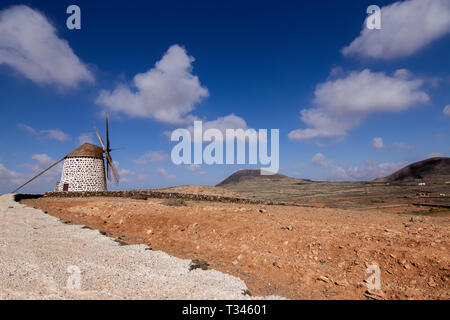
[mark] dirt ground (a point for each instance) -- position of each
(295, 252)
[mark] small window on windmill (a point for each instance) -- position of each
(66, 187)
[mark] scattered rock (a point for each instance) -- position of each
(402, 262)
(138, 196)
(290, 228)
(342, 283)
(262, 210)
(246, 292)
(324, 279)
(120, 242)
(374, 294)
(431, 283)
(416, 219)
(196, 264)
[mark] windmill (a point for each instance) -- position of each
(84, 168)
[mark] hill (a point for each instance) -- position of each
(430, 170)
(253, 176)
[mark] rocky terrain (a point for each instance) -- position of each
(291, 251)
(43, 258)
(328, 240)
(424, 182)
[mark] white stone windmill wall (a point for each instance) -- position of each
(83, 170)
(83, 174)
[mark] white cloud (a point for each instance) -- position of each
(43, 159)
(27, 128)
(342, 104)
(152, 156)
(85, 138)
(43, 162)
(30, 45)
(193, 167)
(123, 173)
(319, 159)
(142, 177)
(377, 143)
(196, 168)
(369, 171)
(54, 134)
(406, 27)
(366, 92)
(403, 74)
(230, 121)
(164, 173)
(165, 93)
(446, 110)
(50, 134)
(433, 155)
(10, 177)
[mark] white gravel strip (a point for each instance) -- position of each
(43, 258)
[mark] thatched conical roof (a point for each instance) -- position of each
(87, 150)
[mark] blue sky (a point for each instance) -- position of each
(350, 103)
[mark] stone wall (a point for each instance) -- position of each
(83, 174)
(144, 194)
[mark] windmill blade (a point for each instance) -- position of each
(99, 138)
(115, 149)
(108, 176)
(54, 164)
(113, 168)
(107, 135)
(108, 157)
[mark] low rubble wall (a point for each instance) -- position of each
(144, 194)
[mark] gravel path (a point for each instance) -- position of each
(42, 258)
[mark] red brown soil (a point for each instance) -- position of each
(295, 252)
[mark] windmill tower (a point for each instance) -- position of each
(84, 168)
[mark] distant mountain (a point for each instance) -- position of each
(253, 176)
(430, 170)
